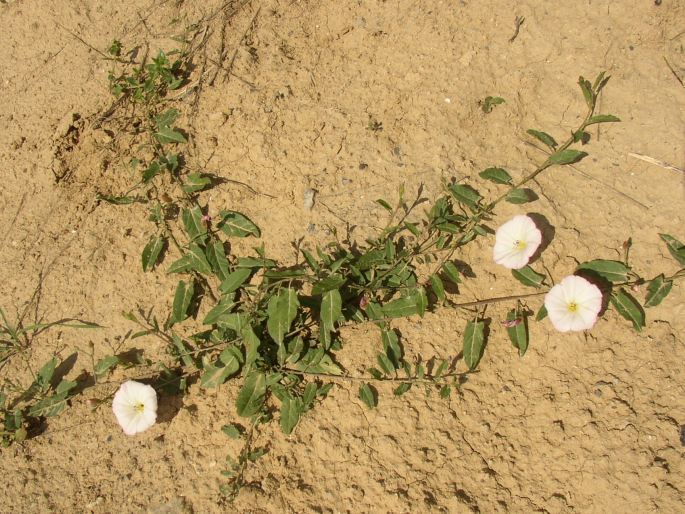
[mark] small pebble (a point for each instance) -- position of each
(311, 228)
(308, 196)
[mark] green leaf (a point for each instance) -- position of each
(231, 357)
(216, 256)
(114, 48)
(183, 351)
(613, 271)
(543, 137)
(402, 388)
(474, 343)
(65, 386)
(328, 284)
(317, 361)
(152, 251)
(675, 248)
(518, 332)
(309, 394)
(238, 225)
(599, 82)
(542, 313)
(291, 408)
(441, 369)
(167, 135)
(252, 344)
(331, 309)
(119, 200)
(385, 364)
(566, 157)
(657, 290)
(602, 118)
(392, 347)
(465, 194)
(182, 298)
(496, 175)
(196, 182)
(445, 391)
(437, 287)
(198, 261)
(489, 102)
(421, 299)
(411, 227)
(215, 375)
(519, 196)
(46, 372)
(384, 204)
(581, 136)
(586, 88)
(167, 118)
(367, 395)
(252, 262)
(451, 272)
(528, 276)
(629, 308)
(251, 396)
(220, 310)
(310, 260)
(231, 431)
(400, 308)
(370, 259)
(235, 280)
(50, 406)
(281, 310)
(104, 365)
(192, 222)
(154, 169)
(181, 265)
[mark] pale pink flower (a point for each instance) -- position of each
(573, 304)
(516, 241)
(135, 407)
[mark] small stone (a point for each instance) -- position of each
(308, 199)
(311, 228)
(346, 181)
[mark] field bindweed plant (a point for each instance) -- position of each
(23, 409)
(277, 328)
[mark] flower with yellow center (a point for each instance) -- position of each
(573, 304)
(135, 407)
(516, 241)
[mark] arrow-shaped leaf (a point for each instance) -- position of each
(474, 343)
(152, 251)
(675, 248)
(613, 271)
(251, 396)
(182, 298)
(281, 310)
(629, 308)
(235, 224)
(566, 157)
(543, 137)
(657, 290)
(291, 408)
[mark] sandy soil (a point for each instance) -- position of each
(583, 423)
